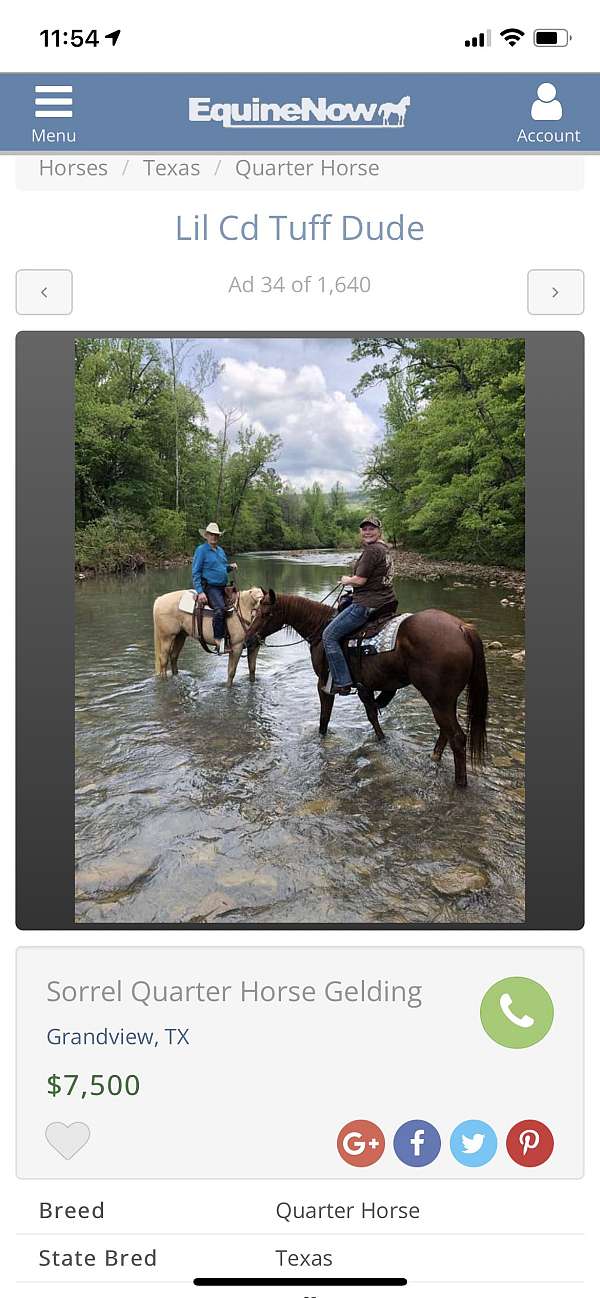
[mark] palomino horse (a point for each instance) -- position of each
(172, 627)
(389, 110)
(434, 651)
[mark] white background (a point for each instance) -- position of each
(469, 273)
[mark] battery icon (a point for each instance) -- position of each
(551, 36)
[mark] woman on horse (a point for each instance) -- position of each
(209, 578)
(371, 582)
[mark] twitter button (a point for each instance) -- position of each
(473, 1143)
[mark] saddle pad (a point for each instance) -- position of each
(187, 601)
(385, 640)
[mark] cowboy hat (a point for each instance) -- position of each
(213, 528)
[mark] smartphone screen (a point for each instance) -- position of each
(299, 331)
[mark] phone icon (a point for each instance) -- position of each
(504, 1025)
(525, 1021)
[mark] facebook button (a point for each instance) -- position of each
(417, 1143)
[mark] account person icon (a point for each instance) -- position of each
(546, 108)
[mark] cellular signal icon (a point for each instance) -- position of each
(477, 42)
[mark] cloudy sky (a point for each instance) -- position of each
(301, 389)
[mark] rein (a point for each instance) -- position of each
(330, 592)
(237, 609)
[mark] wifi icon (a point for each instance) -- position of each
(512, 35)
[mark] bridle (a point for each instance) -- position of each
(237, 608)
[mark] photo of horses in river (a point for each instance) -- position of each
(234, 787)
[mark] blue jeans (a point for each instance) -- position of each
(216, 599)
(344, 624)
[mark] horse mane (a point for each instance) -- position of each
(311, 615)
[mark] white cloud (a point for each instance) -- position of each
(325, 434)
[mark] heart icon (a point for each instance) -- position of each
(67, 1140)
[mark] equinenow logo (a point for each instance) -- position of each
(308, 113)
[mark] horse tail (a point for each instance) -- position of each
(157, 666)
(477, 697)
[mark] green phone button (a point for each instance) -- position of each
(517, 1012)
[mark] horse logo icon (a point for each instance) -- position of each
(389, 110)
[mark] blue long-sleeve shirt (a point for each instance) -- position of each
(209, 566)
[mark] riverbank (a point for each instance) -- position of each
(135, 563)
(407, 563)
(417, 567)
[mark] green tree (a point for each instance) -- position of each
(449, 473)
(119, 386)
(249, 462)
(150, 473)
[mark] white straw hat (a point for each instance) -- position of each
(213, 528)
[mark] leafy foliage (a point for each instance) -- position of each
(113, 543)
(150, 474)
(448, 476)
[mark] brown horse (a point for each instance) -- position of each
(434, 651)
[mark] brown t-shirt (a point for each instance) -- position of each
(376, 564)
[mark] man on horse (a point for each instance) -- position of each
(209, 578)
(371, 582)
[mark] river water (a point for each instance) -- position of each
(195, 803)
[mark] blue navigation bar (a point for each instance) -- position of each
(338, 112)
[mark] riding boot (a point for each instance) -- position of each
(331, 688)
